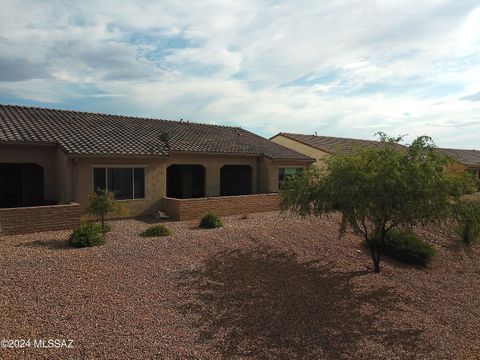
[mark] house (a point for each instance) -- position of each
(50, 157)
(318, 147)
(465, 159)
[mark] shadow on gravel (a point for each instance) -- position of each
(263, 303)
(49, 244)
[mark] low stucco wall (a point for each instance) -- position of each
(23, 220)
(187, 209)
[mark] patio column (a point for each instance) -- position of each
(212, 180)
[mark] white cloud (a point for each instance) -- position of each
(404, 67)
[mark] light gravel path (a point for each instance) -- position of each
(265, 287)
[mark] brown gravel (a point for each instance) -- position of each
(264, 287)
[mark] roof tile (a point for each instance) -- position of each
(84, 133)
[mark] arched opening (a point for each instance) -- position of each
(235, 180)
(185, 181)
(21, 185)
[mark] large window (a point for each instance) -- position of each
(284, 173)
(474, 172)
(126, 183)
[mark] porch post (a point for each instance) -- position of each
(212, 180)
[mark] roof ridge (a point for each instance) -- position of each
(444, 148)
(324, 136)
(119, 115)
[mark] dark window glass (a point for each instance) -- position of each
(120, 181)
(284, 173)
(139, 183)
(98, 179)
(126, 183)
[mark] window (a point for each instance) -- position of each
(126, 183)
(284, 173)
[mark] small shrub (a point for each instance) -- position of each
(408, 248)
(157, 230)
(87, 234)
(211, 220)
(467, 221)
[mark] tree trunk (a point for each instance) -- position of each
(375, 254)
(103, 224)
(376, 251)
(376, 264)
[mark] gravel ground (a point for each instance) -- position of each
(263, 287)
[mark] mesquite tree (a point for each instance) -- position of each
(378, 188)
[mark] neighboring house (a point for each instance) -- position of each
(56, 156)
(318, 147)
(465, 159)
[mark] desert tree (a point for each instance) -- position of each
(103, 202)
(378, 188)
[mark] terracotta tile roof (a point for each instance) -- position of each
(330, 144)
(83, 133)
(466, 157)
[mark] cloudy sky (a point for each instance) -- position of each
(340, 67)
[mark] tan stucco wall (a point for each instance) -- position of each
(213, 164)
(71, 179)
(154, 182)
(45, 156)
(264, 176)
(314, 153)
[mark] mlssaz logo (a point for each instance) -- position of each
(53, 343)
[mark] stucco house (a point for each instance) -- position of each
(50, 157)
(318, 147)
(465, 159)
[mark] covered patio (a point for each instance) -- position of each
(21, 184)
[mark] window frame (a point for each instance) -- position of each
(299, 169)
(132, 168)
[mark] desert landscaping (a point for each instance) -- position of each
(266, 285)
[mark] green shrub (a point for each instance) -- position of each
(406, 247)
(157, 230)
(87, 234)
(467, 221)
(106, 228)
(211, 220)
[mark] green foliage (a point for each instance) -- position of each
(102, 203)
(466, 216)
(157, 230)
(211, 220)
(106, 228)
(87, 234)
(406, 247)
(378, 188)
